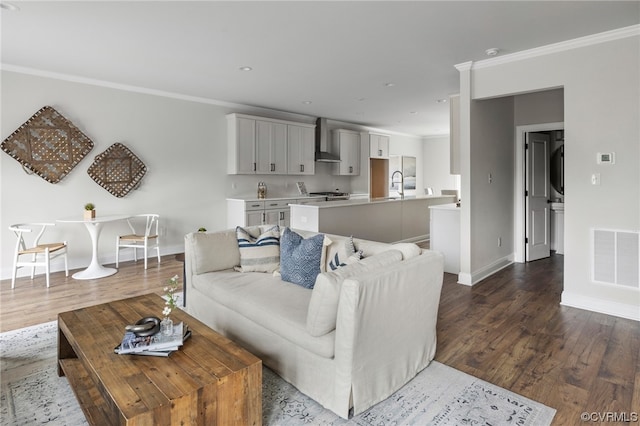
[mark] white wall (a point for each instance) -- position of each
(436, 164)
(183, 144)
(178, 141)
(601, 84)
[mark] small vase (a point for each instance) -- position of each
(166, 326)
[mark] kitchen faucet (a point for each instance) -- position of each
(401, 187)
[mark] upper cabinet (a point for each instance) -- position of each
(454, 134)
(346, 143)
(271, 148)
(301, 150)
(258, 145)
(378, 145)
(241, 150)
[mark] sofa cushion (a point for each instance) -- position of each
(323, 306)
(408, 250)
(276, 305)
(300, 258)
(214, 251)
(259, 249)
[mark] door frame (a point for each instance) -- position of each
(520, 183)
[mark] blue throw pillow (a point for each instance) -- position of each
(300, 258)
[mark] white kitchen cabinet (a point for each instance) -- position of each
(346, 144)
(271, 148)
(276, 212)
(244, 212)
(253, 212)
(301, 150)
(258, 145)
(241, 150)
(378, 145)
(253, 218)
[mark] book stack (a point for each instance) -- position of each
(155, 345)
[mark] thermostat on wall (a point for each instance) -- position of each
(606, 158)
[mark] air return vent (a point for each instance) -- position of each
(616, 257)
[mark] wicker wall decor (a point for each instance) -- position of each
(117, 170)
(48, 145)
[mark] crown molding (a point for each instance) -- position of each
(112, 85)
(562, 46)
(465, 66)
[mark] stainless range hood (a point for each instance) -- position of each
(322, 143)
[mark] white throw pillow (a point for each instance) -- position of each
(215, 251)
(323, 307)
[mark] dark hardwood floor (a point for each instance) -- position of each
(509, 330)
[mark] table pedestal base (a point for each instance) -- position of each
(95, 271)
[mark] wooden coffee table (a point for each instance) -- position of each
(209, 381)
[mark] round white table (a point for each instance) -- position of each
(94, 226)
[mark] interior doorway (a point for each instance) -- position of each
(533, 209)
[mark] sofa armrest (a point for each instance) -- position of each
(386, 327)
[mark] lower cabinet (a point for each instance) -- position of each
(261, 212)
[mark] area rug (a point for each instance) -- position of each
(32, 393)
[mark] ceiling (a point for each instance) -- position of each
(382, 64)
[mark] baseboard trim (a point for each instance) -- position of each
(418, 239)
(484, 272)
(615, 309)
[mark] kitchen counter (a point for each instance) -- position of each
(291, 198)
(359, 201)
(385, 220)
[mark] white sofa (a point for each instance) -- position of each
(364, 330)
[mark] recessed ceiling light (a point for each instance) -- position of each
(492, 52)
(246, 69)
(413, 112)
(442, 101)
(389, 84)
(9, 6)
(307, 102)
(361, 99)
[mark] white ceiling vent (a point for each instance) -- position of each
(616, 257)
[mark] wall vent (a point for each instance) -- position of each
(616, 257)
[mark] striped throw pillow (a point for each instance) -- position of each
(259, 253)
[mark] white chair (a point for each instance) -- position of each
(147, 240)
(37, 254)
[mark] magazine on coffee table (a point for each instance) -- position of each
(132, 344)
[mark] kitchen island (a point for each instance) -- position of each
(387, 220)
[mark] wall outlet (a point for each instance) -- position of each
(595, 179)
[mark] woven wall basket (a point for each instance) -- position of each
(48, 145)
(117, 170)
